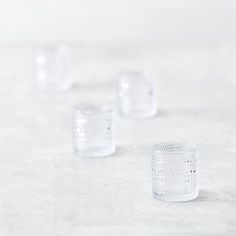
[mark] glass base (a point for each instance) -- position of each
(139, 115)
(176, 198)
(55, 89)
(97, 153)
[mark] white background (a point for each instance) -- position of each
(109, 21)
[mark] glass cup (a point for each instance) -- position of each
(174, 172)
(52, 68)
(136, 94)
(93, 130)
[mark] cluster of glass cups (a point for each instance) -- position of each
(174, 165)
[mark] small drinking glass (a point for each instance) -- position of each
(136, 94)
(93, 130)
(174, 172)
(52, 68)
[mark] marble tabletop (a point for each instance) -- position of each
(46, 190)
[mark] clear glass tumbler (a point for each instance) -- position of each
(136, 94)
(93, 130)
(174, 172)
(52, 68)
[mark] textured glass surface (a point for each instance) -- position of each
(174, 172)
(93, 130)
(52, 68)
(136, 94)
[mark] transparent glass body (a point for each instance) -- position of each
(174, 172)
(93, 130)
(52, 68)
(136, 94)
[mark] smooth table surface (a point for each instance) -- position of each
(46, 190)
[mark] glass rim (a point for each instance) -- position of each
(90, 109)
(176, 147)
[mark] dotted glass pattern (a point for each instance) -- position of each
(93, 130)
(52, 68)
(136, 94)
(174, 172)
